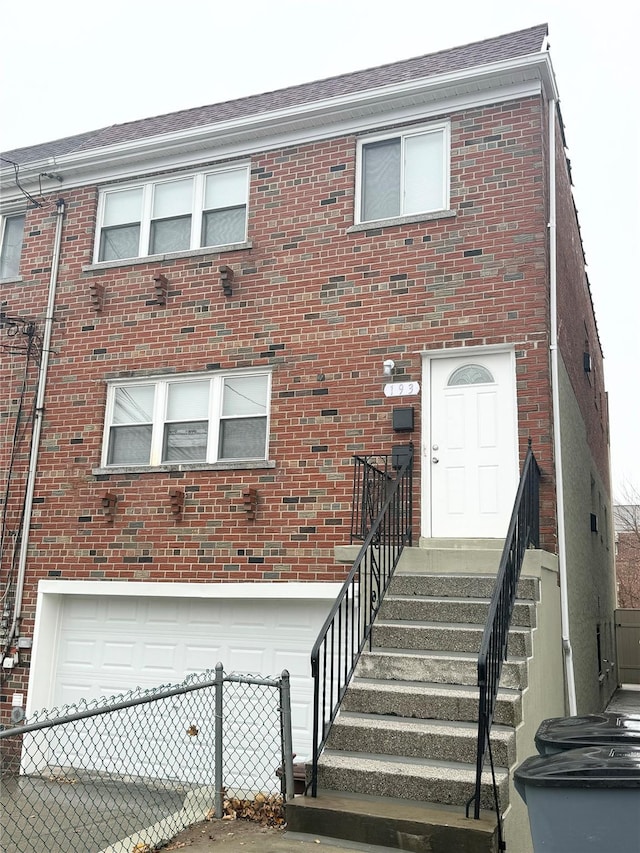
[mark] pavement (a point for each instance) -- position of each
(276, 841)
(626, 700)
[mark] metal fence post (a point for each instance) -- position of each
(218, 776)
(287, 741)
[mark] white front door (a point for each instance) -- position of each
(470, 445)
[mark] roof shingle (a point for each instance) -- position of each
(499, 48)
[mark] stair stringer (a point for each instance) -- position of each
(544, 695)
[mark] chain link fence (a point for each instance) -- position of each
(135, 769)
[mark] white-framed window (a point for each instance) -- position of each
(11, 236)
(173, 214)
(189, 418)
(403, 173)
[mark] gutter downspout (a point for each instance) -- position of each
(37, 425)
(557, 443)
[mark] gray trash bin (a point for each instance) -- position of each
(609, 729)
(583, 800)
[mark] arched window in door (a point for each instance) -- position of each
(470, 374)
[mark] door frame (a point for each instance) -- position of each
(428, 356)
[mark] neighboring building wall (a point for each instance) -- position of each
(589, 554)
(585, 462)
(323, 306)
(578, 337)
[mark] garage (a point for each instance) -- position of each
(97, 639)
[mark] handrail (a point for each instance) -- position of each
(347, 628)
(371, 480)
(523, 531)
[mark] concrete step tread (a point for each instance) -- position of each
(442, 667)
(366, 822)
(458, 576)
(450, 599)
(379, 722)
(437, 653)
(431, 688)
(451, 771)
(390, 808)
(439, 626)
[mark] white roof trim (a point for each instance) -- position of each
(353, 113)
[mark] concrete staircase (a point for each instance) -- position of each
(405, 737)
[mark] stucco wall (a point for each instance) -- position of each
(590, 558)
(544, 694)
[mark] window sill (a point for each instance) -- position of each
(12, 279)
(234, 465)
(170, 256)
(401, 220)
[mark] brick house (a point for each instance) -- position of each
(200, 313)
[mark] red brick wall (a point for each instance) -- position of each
(322, 305)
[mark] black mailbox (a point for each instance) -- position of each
(403, 419)
(401, 453)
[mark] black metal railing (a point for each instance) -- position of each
(524, 530)
(347, 628)
(372, 476)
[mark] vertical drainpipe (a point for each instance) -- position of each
(38, 418)
(557, 442)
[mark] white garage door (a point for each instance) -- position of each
(104, 645)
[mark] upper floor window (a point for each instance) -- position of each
(403, 174)
(188, 418)
(11, 247)
(198, 211)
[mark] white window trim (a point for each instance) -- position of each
(402, 133)
(147, 187)
(11, 214)
(216, 380)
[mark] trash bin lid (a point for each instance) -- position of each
(592, 729)
(588, 767)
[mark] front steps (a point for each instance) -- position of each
(390, 824)
(407, 727)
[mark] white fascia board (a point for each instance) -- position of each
(455, 352)
(311, 122)
(244, 146)
(293, 590)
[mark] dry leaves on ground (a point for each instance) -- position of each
(263, 813)
(265, 809)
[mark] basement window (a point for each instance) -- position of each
(173, 215)
(187, 419)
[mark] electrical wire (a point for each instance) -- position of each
(16, 169)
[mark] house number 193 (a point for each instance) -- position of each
(401, 389)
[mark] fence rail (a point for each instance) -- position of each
(137, 768)
(523, 532)
(347, 628)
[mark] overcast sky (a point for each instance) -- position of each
(71, 66)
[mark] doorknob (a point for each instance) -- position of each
(435, 459)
